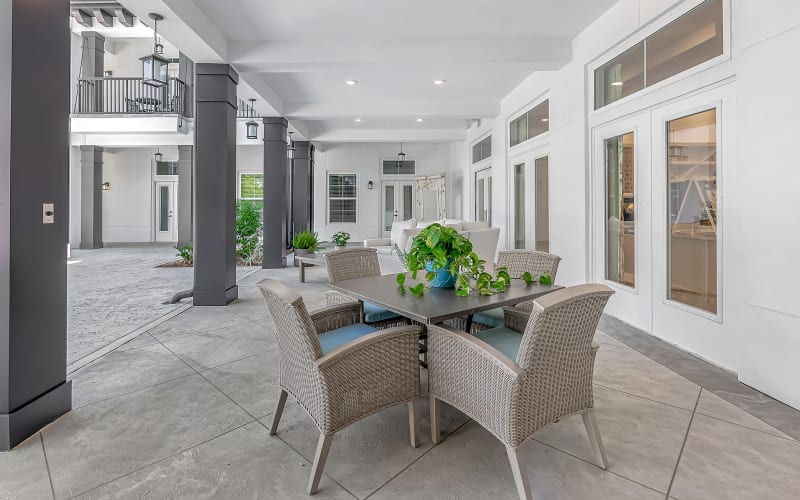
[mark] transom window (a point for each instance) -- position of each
(482, 149)
(342, 198)
(535, 121)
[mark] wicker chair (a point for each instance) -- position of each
(354, 263)
(374, 371)
(513, 392)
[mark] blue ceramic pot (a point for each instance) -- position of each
(444, 278)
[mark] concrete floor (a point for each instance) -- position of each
(114, 290)
(182, 412)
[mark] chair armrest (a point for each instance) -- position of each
(336, 316)
(378, 242)
(335, 298)
(516, 318)
(382, 339)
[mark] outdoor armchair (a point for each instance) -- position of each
(514, 384)
(338, 369)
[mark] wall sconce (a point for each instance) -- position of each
(252, 130)
(158, 156)
(106, 186)
(369, 184)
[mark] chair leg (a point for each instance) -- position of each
(278, 413)
(323, 447)
(413, 423)
(436, 414)
(520, 474)
(590, 422)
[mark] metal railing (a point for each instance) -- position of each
(112, 95)
(245, 110)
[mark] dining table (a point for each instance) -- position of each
(436, 305)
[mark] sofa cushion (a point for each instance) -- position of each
(503, 339)
(373, 313)
(332, 339)
(484, 243)
(385, 250)
(470, 225)
(398, 227)
(492, 317)
(408, 238)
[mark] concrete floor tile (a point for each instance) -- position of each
(251, 382)
(217, 347)
(723, 460)
(121, 372)
(23, 472)
(196, 320)
(642, 438)
(473, 464)
(628, 371)
(95, 444)
(370, 452)
(714, 406)
(604, 338)
(244, 463)
(140, 341)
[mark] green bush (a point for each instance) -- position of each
(186, 253)
(248, 231)
(340, 238)
(306, 240)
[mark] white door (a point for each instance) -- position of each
(166, 211)
(529, 201)
(520, 202)
(621, 202)
(483, 195)
(399, 202)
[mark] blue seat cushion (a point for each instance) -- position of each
(492, 317)
(334, 338)
(373, 313)
(503, 339)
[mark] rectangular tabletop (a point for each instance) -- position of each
(438, 304)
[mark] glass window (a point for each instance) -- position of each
(620, 210)
(542, 205)
(519, 205)
(342, 201)
(167, 167)
(482, 150)
(692, 210)
(163, 218)
(692, 39)
(535, 121)
(688, 41)
(251, 189)
(620, 77)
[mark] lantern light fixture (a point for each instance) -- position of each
(154, 66)
(252, 125)
(401, 157)
(369, 184)
(158, 156)
(106, 186)
(290, 147)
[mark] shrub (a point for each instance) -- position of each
(340, 238)
(186, 253)
(248, 231)
(306, 240)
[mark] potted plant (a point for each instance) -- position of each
(340, 239)
(443, 253)
(304, 243)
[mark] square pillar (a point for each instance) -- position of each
(185, 195)
(302, 178)
(91, 197)
(275, 197)
(92, 65)
(34, 169)
(215, 185)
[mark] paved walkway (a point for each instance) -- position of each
(113, 291)
(182, 412)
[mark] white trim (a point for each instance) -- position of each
(328, 174)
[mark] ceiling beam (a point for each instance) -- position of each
(124, 16)
(104, 18)
(442, 108)
(388, 135)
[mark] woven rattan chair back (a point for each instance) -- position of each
(352, 263)
(536, 263)
(557, 354)
(297, 337)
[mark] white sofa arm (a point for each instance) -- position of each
(378, 242)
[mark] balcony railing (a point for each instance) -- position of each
(111, 95)
(245, 110)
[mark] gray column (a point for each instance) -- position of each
(34, 159)
(275, 198)
(93, 65)
(186, 75)
(91, 197)
(301, 188)
(215, 185)
(185, 198)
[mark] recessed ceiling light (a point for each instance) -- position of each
(439, 82)
(358, 120)
(351, 82)
(419, 120)
(616, 84)
(545, 119)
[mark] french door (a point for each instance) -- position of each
(483, 195)
(399, 202)
(530, 201)
(166, 211)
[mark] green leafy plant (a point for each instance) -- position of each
(248, 231)
(401, 255)
(306, 240)
(186, 253)
(340, 238)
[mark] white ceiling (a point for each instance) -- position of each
(297, 55)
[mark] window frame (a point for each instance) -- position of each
(328, 197)
(530, 142)
(239, 185)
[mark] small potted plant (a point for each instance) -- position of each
(340, 239)
(304, 243)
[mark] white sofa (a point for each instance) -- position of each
(484, 238)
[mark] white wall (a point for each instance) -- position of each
(365, 160)
(122, 56)
(759, 335)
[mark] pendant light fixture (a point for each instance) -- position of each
(158, 156)
(154, 66)
(252, 125)
(290, 147)
(401, 157)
